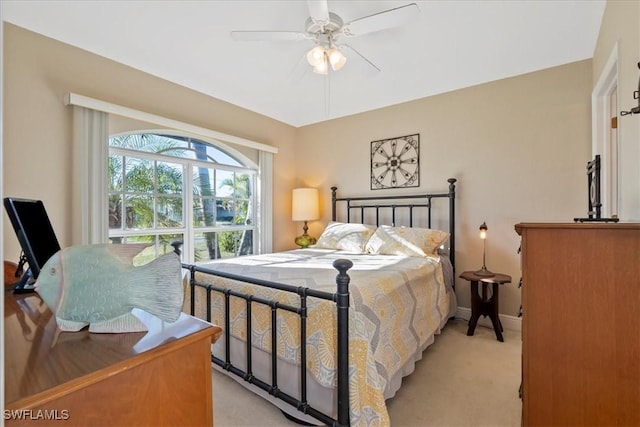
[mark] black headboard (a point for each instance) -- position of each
(400, 203)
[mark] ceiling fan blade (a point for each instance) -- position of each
(274, 36)
(319, 11)
(371, 65)
(381, 20)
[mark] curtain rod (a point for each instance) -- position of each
(107, 107)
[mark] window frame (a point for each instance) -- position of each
(188, 230)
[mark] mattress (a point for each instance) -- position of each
(397, 305)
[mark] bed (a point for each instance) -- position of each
(328, 332)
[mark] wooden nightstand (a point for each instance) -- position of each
(483, 305)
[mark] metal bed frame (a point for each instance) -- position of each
(341, 299)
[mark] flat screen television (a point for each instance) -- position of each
(35, 234)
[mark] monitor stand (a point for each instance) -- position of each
(26, 284)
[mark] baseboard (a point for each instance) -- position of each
(508, 322)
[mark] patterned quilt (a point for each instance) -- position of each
(397, 304)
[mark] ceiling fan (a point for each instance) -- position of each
(326, 29)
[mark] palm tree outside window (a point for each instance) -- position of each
(164, 188)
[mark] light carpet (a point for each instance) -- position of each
(460, 381)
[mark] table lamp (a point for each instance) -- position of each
(305, 208)
(483, 235)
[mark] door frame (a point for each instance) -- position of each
(601, 141)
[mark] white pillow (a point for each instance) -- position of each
(345, 237)
(418, 242)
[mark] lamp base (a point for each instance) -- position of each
(484, 272)
(305, 240)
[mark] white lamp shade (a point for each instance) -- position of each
(336, 59)
(305, 204)
(315, 56)
(321, 67)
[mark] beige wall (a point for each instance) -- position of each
(37, 133)
(621, 25)
(518, 148)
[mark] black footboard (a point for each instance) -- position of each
(341, 299)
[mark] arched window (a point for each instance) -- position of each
(164, 188)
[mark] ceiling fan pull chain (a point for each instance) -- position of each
(327, 94)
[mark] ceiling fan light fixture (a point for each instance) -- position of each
(316, 56)
(320, 57)
(336, 59)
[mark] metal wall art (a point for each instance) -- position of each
(395, 162)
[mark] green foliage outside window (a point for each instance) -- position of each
(148, 194)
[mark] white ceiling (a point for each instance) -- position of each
(450, 45)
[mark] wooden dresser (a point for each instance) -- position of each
(581, 324)
(156, 378)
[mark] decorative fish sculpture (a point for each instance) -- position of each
(98, 285)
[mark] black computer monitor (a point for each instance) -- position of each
(35, 234)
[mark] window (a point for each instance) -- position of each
(164, 188)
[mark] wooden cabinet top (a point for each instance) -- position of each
(40, 358)
(578, 225)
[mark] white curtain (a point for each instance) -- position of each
(265, 205)
(89, 176)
